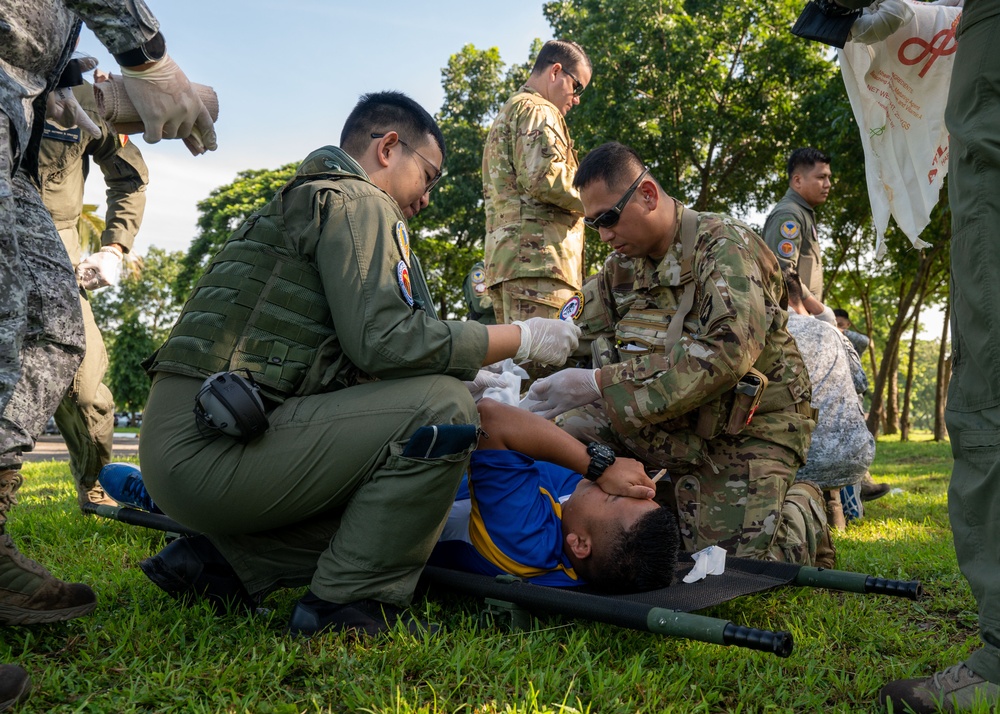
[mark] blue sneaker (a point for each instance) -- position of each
(123, 482)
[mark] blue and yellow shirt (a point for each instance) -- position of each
(507, 518)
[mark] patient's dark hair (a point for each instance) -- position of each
(642, 558)
(793, 285)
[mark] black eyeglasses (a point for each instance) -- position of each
(577, 84)
(611, 216)
(437, 172)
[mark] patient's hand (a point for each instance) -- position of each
(627, 477)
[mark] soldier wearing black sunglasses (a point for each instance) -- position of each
(534, 233)
(695, 370)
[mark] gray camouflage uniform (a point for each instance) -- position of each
(41, 331)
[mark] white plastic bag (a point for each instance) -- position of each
(898, 90)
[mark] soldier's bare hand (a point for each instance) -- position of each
(627, 477)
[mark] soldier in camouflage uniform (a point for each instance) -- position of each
(85, 416)
(534, 231)
(686, 396)
(41, 331)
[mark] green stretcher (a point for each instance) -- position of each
(668, 611)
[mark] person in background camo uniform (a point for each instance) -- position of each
(41, 330)
(85, 416)
(669, 397)
(534, 231)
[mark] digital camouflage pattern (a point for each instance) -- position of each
(41, 325)
(790, 232)
(654, 399)
(534, 226)
(842, 448)
(51, 339)
(37, 38)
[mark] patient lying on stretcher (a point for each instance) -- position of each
(541, 520)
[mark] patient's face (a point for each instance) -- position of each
(602, 514)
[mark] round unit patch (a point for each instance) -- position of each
(479, 288)
(402, 241)
(790, 229)
(403, 278)
(478, 276)
(786, 249)
(572, 309)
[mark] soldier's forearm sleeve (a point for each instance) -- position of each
(120, 25)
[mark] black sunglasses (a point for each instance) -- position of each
(437, 172)
(577, 84)
(611, 216)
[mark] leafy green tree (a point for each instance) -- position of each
(90, 227)
(135, 318)
(222, 213)
(706, 92)
(452, 227)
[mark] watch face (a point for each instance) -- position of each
(600, 451)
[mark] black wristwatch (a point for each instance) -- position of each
(601, 457)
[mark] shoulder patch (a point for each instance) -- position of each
(790, 229)
(403, 278)
(786, 249)
(402, 241)
(572, 308)
(478, 276)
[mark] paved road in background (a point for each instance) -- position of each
(53, 448)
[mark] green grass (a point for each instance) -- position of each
(141, 652)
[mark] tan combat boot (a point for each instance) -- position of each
(95, 494)
(28, 592)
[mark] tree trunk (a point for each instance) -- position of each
(876, 413)
(943, 377)
(890, 423)
(904, 421)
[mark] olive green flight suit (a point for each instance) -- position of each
(790, 232)
(318, 296)
(973, 411)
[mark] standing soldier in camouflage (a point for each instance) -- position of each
(696, 371)
(85, 416)
(790, 228)
(534, 231)
(41, 330)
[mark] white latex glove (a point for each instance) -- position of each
(880, 20)
(169, 107)
(547, 341)
(100, 269)
(484, 380)
(63, 110)
(567, 389)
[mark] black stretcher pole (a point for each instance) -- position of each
(636, 616)
(858, 583)
(135, 517)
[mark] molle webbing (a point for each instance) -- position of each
(259, 307)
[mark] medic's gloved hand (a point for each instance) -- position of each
(567, 389)
(100, 269)
(547, 341)
(63, 110)
(879, 21)
(169, 106)
(483, 381)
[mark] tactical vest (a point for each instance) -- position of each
(259, 307)
(649, 327)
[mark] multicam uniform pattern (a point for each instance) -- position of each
(729, 489)
(534, 226)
